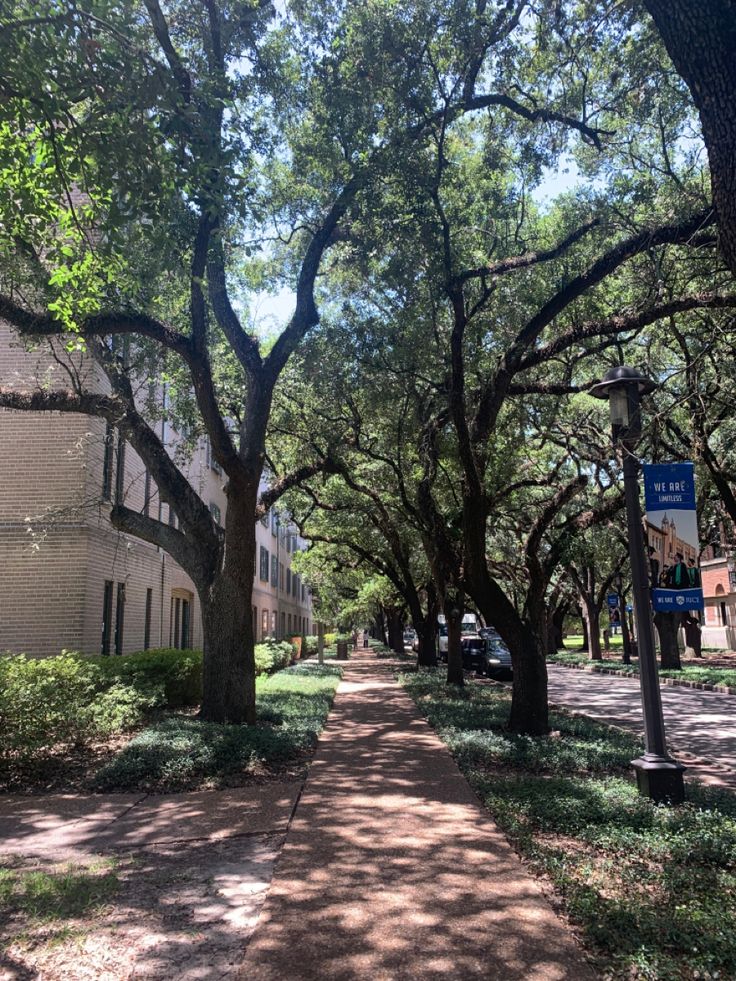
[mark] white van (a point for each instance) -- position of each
(468, 628)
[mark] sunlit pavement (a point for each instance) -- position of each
(700, 725)
(391, 869)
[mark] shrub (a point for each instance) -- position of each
(273, 655)
(166, 676)
(65, 699)
(309, 646)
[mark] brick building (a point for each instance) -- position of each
(68, 579)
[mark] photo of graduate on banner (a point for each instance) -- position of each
(672, 537)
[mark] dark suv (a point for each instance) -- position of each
(487, 655)
(498, 657)
(474, 653)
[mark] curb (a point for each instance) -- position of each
(672, 682)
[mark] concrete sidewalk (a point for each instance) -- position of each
(68, 826)
(392, 869)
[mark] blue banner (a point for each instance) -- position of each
(612, 599)
(669, 486)
(677, 600)
(672, 537)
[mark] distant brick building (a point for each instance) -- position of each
(718, 574)
(68, 579)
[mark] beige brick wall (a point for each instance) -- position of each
(57, 547)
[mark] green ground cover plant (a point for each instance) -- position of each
(652, 888)
(180, 753)
(699, 674)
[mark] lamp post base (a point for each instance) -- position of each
(660, 779)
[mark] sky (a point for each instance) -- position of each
(270, 312)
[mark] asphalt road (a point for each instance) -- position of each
(700, 725)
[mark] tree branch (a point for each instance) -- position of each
(496, 390)
(529, 258)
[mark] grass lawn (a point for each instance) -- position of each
(700, 673)
(652, 889)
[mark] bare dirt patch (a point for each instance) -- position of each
(174, 911)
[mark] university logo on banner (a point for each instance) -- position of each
(672, 537)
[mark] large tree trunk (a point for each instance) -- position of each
(667, 625)
(591, 618)
(228, 668)
(529, 707)
(395, 631)
(427, 656)
(701, 40)
(454, 605)
(586, 636)
(693, 639)
(555, 621)
(427, 633)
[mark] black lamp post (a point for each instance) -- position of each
(618, 581)
(658, 775)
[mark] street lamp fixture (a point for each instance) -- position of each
(658, 775)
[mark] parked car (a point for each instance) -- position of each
(498, 656)
(409, 637)
(486, 654)
(474, 653)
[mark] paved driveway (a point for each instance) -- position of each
(701, 725)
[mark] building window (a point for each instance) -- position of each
(147, 494)
(724, 615)
(107, 463)
(274, 570)
(119, 618)
(186, 617)
(274, 523)
(283, 625)
(254, 622)
(265, 519)
(296, 585)
(147, 625)
(281, 576)
(273, 622)
(211, 461)
(120, 472)
(106, 618)
(264, 625)
(303, 595)
(264, 565)
(289, 622)
(288, 580)
(216, 514)
(172, 517)
(175, 615)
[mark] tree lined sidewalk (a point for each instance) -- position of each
(391, 867)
